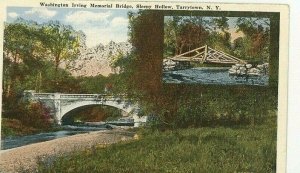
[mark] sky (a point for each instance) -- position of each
(99, 26)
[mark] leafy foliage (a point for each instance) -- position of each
(94, 84)
(183, 34)
(14, 127)
(256, 43)
(36, 115)
(61, 41)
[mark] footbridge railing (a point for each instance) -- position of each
(207, 54)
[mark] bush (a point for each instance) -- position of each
(198, 107)
(14, 127)
(36, 115)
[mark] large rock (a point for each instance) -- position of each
(239, 65)
(248, 65)
(248, 69)
(243, 70)
(260, 67)
(169, 62)
(234, 67)
(254, 71)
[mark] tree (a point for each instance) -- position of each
(22, 51)
(255, 45)
(190, 37)
(220, 41)
(62, 42)
(92, 84)
(183, 33)
(220, 23)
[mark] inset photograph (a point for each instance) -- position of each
(216, 50)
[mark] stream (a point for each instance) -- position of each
(212, 75)
(68, 130)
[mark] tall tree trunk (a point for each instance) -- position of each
(181, 48)
(8, 88)
(57, 61)
(38, 82)
(56, 64)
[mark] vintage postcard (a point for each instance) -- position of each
(108, 86)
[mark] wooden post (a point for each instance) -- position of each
(205, 53)
(40, 81)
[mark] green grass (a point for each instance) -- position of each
(212, 150)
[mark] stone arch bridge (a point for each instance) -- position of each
(60, 104)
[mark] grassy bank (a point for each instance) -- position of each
(219, 149)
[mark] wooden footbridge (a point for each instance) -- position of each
(206, 54)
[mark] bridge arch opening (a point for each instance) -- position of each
(92, 113)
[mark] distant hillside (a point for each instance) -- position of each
(94, 61)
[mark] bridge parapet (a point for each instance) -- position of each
(74, 96)
(42, 95)
(80, 95)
